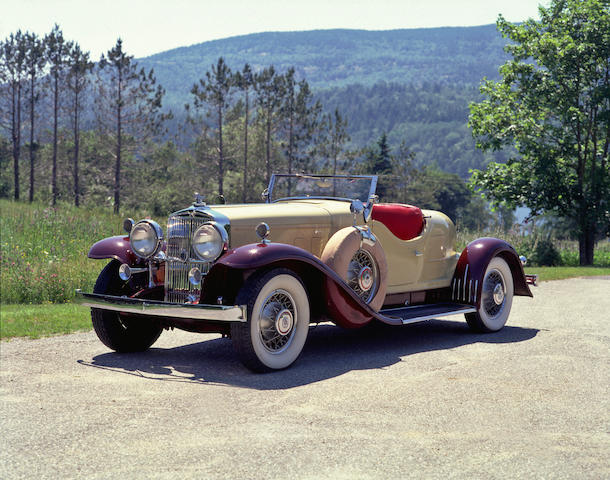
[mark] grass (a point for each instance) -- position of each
(561, 273)
(43, 250)
(35, 321)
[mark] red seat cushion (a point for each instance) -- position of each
(404, 221)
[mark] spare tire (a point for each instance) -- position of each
(363, 266)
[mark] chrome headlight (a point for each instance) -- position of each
(145, 238)
(209, 241)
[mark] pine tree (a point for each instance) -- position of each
(215, 91)
(35, 61)
(244, 81)
(269, 88)
(12, 74)
(128, 103)
(57, 50)
(301, 117)
(77, 80)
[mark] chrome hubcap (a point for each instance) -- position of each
(283, 322)
(493, 297)
(277, 321)
(363, 275)
(365, 278)
(498, 294)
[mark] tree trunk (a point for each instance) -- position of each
(244, 194)
(290, 142)
(117, 168)
(268, 147)
(54, 169)
(220, 153)
(32, 147)
(16, 133)
(76, 150)
(586, 244)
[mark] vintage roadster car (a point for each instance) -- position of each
(326, 250)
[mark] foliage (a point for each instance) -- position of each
(44, 250)
(553, 106)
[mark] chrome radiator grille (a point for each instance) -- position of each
(181, 258)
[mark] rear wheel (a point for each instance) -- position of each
(278, 321)
(119, 331)
(496, 298)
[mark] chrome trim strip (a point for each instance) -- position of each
(138, 306)
(453, 290)
(465, 276)
(476, 290)
(438, 315)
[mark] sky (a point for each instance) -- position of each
(153, 26)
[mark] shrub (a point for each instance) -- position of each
(545, 254)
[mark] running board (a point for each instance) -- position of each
(420, 313)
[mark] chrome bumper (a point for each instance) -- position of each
(156, 308)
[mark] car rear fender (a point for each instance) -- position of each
(467, 282)
(114, 247)
(328, 293)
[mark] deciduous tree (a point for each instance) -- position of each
(553, 105)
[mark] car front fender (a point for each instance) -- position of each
(328, 293)
(116, 247)
(467, 283)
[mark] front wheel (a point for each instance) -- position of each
(118, 331)
(496, 298)
(278, 321)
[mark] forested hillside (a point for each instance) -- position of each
(221, 117)
(414, 85)
(332, 58)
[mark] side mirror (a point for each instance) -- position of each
(265, 195)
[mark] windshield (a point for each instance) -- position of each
(342, 187)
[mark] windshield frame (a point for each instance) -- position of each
(272, 181)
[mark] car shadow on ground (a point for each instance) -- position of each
(329, 352)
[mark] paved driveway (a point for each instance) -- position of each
(423, 401)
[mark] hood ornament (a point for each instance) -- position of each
(199, 200)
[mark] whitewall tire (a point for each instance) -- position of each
(278, 321)
(496, 298)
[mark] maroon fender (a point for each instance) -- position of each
(338, 300)
(114, 247)
(467, 281)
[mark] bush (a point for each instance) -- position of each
(545, 254)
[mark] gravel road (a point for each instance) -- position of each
(430, 400)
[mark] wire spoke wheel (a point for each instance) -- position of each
(277, 321)
(496, 298)
(494, 293)
(363, 275)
